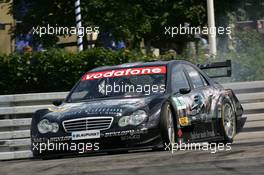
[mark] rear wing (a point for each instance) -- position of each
(218, 65)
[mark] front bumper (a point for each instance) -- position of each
(109, 140)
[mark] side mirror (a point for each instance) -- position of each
(184, 91)
(57, 102)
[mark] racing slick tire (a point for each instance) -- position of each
(228, 122)
(167, 125)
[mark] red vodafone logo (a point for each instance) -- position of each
(125, 72)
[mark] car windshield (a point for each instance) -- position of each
(131, 82)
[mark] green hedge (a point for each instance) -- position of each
(58, 70)
(55, 70)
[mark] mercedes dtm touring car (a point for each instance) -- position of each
(139, 105)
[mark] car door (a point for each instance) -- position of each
(200, 104)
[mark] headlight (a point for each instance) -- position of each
(44, 126)
(55, 127)
(134, 119)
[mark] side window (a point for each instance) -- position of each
(205, 82)
(179, 79)
(195, 76)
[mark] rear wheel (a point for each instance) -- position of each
(228, 122)
(167, 124)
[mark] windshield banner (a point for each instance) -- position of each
(125, 72)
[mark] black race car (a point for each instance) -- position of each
(138, 105)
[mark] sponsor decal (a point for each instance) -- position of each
(184, 121)
(179, 102)
(111, 110)
(179, 133)
(125, 133)
(56, 109)
(133, 137)
(52, 139)
(96, 111)
(195, 135)
(125, 72)
(63, 107)
(90, 134)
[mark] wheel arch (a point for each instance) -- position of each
(221, 99)
(225, 97)
(173, 110)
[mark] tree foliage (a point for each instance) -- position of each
(132, 19)
(55, 69)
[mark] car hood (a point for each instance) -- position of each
(102, 107)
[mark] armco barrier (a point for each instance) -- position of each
(16, 112)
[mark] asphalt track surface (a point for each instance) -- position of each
(245, 157)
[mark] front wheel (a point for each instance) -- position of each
(167, 125)
(228, 122)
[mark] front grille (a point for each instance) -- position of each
(88, 123)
